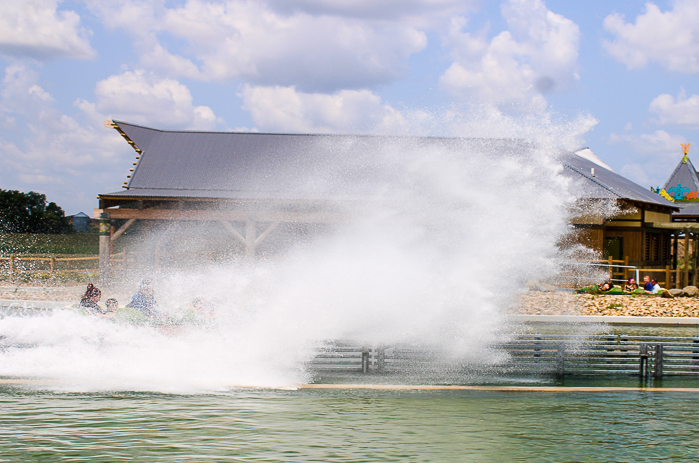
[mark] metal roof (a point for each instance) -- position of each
(605, 184)
(684, 175)
(687, 209)
(256, 166)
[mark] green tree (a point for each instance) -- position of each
(29, 213)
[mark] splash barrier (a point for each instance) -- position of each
(539, 354)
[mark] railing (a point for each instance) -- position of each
(644, 356)
(15, 265)
(667, 273)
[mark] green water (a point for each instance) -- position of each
(349, 426)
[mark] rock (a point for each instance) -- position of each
(677, 292)
(691, 291)
(665, 293)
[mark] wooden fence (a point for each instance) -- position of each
(18, 265)
(666, 277)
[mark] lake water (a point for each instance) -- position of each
(350, 425)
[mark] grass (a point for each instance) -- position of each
(24, 243)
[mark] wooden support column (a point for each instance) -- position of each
(105, 230)
(686, 258)
(251, 240)
(111, 241)
(694, 260)
(675, 239)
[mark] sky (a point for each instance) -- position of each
(619, 77)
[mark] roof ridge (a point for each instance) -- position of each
(593, 179)
(365, 135)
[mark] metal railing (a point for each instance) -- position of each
(607, 354)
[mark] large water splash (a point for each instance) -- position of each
(446, 235)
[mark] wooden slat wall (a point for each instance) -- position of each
(632, 242)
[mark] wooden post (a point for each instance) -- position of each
(694, 260)
(104, 246)
(675, 239)
(111, 241)
(658, 363)
(686, 258)
(667, 276)
(643, 360)
(626, 270)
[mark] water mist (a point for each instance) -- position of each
(441, 236)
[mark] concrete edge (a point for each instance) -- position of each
(607, 320)
(409, 387)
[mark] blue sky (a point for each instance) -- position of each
(619, 77)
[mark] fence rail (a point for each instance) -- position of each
(644, 356)
(15, 265)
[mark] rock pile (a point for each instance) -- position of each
(558, 303)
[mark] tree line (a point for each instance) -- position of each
(31, 213)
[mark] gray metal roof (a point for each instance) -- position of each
(687, 210)
(685, 176)
(229, 165)
(606, 184)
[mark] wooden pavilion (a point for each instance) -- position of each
(251, 183)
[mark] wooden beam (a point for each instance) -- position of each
(121, 230)
(228, 226)
(692, 227)
(250, 235)
(265, 233)
(231, 216)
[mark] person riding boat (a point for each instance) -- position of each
(144, 300)
(90, 300)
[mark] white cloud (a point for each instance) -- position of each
(283, 109)
(681, 111)
(669, 38)
(537, 55)
(415, 11)
(36, 29)
(144, 98)
(250, 42)
(51, 152)
(654, 155)
(639, 174)
(658, 143)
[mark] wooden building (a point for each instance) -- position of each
(619, 218)
(250, 185)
